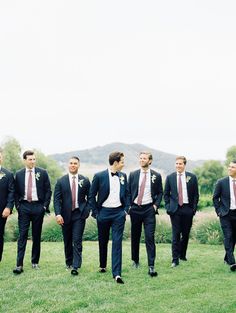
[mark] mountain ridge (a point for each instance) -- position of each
(97, 157)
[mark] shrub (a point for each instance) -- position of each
(11, 229)
(208, 232)
(205, 201)
(163, 231)
(51, 230)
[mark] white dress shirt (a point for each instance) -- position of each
(184, 186)
(232, 197)
(147, 196)
(76, 186)
(113, 200)
(34, 189)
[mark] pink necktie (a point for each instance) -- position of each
(73, 192)
(180, 191)
(141, 190)
(234, 188)
(29, 187)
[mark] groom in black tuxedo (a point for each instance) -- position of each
(6, 200)
(224, 199)
(181, 199)
(145, 195)
(32, 199)
(71, 209)
(108, 197)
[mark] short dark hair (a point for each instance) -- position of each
(233, 161)
(26, 153)
(148, 154)
(181, 157)
(75, 157)
(115, 156)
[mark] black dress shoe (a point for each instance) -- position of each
(74, 272)
(183, 258)
(119, 280)
(233, 267)
(18, 270)
(152, 272)
(102, 270)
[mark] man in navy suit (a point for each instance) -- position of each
(6, 200)
(108, 197)
(145, 194)
(224, 199)
(32, 199)
(181, 198)
(71, 209)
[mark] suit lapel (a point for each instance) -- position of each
(136, 182)
(175, 182)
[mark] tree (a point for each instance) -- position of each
(230, 155)
(208, 174)
(12, 160)
(11, 154)
(54, 170)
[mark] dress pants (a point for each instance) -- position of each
(2, 228)
(113, 218)
(181, 222)
(228, 225)
(29, 212)
(144, 214)
(72, 235)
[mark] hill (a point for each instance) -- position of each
(96, 158)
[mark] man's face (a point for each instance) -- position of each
(30, 161)
(180, 166)
(73, 166)
(232, 169)
(119, 165)
(144, 161)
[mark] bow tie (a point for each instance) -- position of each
(114, 174)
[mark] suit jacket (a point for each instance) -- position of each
(171, 192)
(221, 196)
(156, 187)
(7, 189)
(43, 187)
(100, 189)
(63, 197)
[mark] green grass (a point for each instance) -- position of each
(200, 285)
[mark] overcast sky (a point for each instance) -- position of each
(78, 74)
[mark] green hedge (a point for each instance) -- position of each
(206, 229)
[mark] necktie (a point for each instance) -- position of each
(234, 188)
(114, 174)
(29, 187)
(180, 191)
(73, 193)
(141, 190)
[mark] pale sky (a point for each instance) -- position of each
(78, 74)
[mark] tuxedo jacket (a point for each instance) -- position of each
(43, 187)
(7, 189)
(155, 183)
(100, 190)
(63, 197)
(171, 192)
(221, 196)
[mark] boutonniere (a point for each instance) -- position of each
(2, 175)
(188, 178)
(122, 180)
(37, 176)
(80, 182)
(153, 178)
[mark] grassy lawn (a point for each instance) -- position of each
(202, 284)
